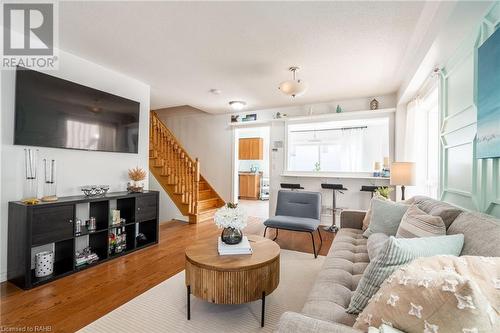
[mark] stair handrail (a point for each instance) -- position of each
(185, 169)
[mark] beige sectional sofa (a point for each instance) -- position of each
(324, 310)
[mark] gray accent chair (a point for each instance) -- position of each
(297, 211)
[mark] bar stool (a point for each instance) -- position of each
(369, 188)
(335, 188)
(291, 186)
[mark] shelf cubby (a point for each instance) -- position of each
(100, 210)
(126, 206)
(63, 262)
(149, 229)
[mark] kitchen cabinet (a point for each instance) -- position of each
(251, 149)
(249, 185)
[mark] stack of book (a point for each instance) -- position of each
(242, 247)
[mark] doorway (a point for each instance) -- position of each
(251, 170)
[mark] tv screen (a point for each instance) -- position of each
(52, 112)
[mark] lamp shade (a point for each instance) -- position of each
(403, 173)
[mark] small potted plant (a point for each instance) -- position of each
(384, 191)
(136, 175)
(232, 219)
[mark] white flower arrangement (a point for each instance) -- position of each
(231, 216)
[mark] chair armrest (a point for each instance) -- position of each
(352, 219)
(292, 322)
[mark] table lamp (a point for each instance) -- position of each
(403, 173)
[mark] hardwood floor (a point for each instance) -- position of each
(72, 302)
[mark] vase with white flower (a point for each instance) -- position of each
(232, 219)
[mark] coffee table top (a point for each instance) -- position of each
(203, 253)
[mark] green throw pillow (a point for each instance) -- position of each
(386, 217)
(395, 253)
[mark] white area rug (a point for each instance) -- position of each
(163, 307)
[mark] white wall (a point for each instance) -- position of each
(74, 168)
(210, 138)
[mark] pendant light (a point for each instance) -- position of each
(294, 87)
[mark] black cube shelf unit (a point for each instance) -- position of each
(32, 226)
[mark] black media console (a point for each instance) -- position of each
(33, 227)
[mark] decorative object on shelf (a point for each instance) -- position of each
(386, 172)
(117, 241)
(254, 168)
(136, 175)
(277, 115)
(95, 190)
(141, 239)
(377, 170)
(338, 109)
(293, 87)
(384, 191)
(115, 217)
(232, 219)
(250, 117)
(317, 167)
(78, 227)
(85, 256)
(92, 225)
(403, 173)
(373, 104)
(49, 185)
(44, 263)
(235, 118)
(30, 190)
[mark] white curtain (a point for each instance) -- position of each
(421, 122)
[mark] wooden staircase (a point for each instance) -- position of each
(179, 174)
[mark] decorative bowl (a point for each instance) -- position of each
(94, 190)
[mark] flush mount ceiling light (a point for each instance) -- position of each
(237, 105)
(294, 87)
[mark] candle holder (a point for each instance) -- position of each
(30, 188)
(49, 185)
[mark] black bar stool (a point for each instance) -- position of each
(291, 186)
(369, 188)
(335, 188)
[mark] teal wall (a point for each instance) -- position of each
(470, 183)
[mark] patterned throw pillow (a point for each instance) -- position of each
(395, 253)
(417, 223)
(437, 295)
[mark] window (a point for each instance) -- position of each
(338, 146)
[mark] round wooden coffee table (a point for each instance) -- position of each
(232, 279)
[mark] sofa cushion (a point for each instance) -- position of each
(396, 253)
(439, 294)
(368, 217)
(417, 223)
(386, 217)
(481, 233)
(374, 244)
(340, 275)
(445, 211)
(292, 223)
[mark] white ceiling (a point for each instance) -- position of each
(183, 49)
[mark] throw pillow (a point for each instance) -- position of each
(386, 217)
(368, 215)
(396, 253)
(417, 223)
(439, 294)
(374, 244)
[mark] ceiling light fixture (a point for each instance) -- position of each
(294, 87)
(237, 105)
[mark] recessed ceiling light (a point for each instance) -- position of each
(215, 91)
(237, 105)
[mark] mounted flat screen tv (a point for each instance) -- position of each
(52, 112)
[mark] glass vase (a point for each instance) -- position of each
(30, 188)
(231, 236)
(49, 184)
